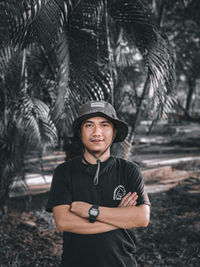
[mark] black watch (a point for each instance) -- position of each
(93, 213)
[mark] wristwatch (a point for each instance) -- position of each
(93, 213)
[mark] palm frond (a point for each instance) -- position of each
(137, 29)
(8, 57)
(89, 79)
(63, 77)
(33, 120)
(86, 14)
(48, 133)
(23, 20)
(26, 119)
(136, 20)
(48, 25)
(93, 75)
(161, 61)
(47, 128)
(16, 16)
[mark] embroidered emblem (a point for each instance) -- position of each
(93, 105)
(119, 192)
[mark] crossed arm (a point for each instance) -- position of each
(74, 218)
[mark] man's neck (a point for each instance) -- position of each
(92, 160)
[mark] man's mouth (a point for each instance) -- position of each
(97, 141)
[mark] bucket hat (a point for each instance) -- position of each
(103, 109)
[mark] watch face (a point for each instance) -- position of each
(94, 212)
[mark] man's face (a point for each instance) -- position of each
(97, 133)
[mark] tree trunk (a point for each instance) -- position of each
(191, 89)
(137, 117)
(7, 172)
(158, 9)
(110, 54)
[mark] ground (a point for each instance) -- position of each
(173, 235)
(171, 239)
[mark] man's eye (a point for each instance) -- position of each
(88, 125)
(105, 125)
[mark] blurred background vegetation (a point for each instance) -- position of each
(140, 55)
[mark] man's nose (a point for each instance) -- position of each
(97, 130)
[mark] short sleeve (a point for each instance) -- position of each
(136, 184)
(60, 191)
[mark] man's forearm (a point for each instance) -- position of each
(125, 217)
(66, 221)
(121, 217)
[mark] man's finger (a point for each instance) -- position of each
(130, 198)
(124, 199)
(133, 203)
(133, 197)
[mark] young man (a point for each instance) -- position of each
(98, 199)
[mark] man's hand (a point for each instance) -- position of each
(129, 200)
(80, 208)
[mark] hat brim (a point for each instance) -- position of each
(121, 127)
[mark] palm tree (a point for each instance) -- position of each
(25, 121)
(80, 43)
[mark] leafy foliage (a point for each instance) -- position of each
(71, 55)
(64, 25)
(25, 121)
(185, 38)
(33, 120)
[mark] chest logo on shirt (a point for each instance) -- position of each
(119, 192)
